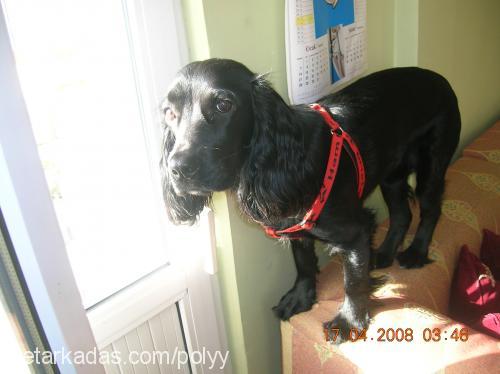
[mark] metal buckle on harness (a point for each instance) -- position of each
(337, 131)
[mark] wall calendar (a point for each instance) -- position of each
(325, 45)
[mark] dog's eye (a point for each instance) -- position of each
(223, 105)
(169, 115)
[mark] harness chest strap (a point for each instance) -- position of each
(338, 138)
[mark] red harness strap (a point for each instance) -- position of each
(338, 137)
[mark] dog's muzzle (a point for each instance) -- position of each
(183, 171)
(180, 166)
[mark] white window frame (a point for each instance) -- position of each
(33, 227)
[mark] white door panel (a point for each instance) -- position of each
(151, 341)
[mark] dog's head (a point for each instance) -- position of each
(208, 127)
(226, 128)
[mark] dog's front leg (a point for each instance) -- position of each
(302, 296)
(354, 312)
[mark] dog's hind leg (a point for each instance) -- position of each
(302, 296)
(434, 158)
(396, 191)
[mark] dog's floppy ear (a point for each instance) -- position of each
(276, 159)
(272, 116)
(180, 209)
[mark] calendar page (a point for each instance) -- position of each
(325, 45)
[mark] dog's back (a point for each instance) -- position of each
(395, 113)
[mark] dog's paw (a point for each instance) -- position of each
(383, 261)
(412, 259)
(299, 299)
(343, 328)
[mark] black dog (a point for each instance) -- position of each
(227, 129)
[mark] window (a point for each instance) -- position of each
(93, 123)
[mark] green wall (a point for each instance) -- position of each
(461, 40)
(458, 38)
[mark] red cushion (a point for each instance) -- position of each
(489, 324)
(490, 252)
(474, 292)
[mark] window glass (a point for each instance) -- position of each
(76, 70)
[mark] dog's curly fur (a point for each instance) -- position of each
(227, 129)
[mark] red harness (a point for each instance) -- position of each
(338, 137)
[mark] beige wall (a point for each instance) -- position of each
(458, 38)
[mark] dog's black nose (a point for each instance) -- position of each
(181, 166)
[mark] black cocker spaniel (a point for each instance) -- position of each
(226, 128)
